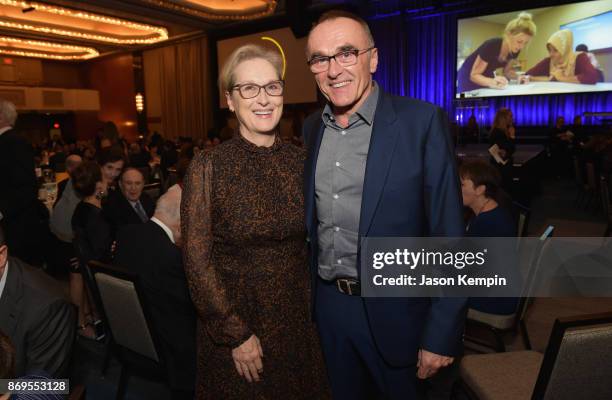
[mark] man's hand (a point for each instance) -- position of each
(247, 359)
(429, 363)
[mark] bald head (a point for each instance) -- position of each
(168, 211)
(72, 161)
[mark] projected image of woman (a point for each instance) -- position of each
(478, 70)
(563, 64)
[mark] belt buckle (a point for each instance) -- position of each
(348, 290)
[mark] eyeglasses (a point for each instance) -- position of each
(345, 58)
(250, 90)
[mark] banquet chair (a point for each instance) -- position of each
(498, 325)
(576, 365)
(136, 344)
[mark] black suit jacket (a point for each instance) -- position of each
(120, 212)
(39, 320)
(145, 249)
(18, 192)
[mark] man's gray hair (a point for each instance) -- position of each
(168, 208)
(8, 112)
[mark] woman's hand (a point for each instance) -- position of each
(247, 359)
(499, 82)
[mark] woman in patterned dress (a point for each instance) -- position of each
(245, 249)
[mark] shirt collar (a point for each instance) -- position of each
(3, 279)
(365, 112)
(6, 128)
(164, 227)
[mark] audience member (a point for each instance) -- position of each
(479, 188)
(152, 251)
(58, 160)
(130, 205)
(503, 135)
(111, 162)
(19, 211)
(92, 237)
(72, 161)
(36, 317)
(138, 158)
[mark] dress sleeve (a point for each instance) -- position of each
(209, 295)
(540, 69)
(585, 72)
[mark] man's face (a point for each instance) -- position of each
(346, 88)
(3, 258)
(131, 184)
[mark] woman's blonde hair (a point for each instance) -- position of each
(502, 120)
(521, 24)
(245, 53)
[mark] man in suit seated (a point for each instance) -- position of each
(36, 316)
(72, 161)
(151, 251)
(131, 205)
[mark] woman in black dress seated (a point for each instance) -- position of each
(92, 233)
(479, 188)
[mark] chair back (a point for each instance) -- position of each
(126, 310)
(532, 272)
(591, 176)
(153, 190)
(578, 360)
(605, 196)
(578, 176)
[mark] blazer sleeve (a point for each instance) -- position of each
(49, 342)
(215, 310)
(540, 69)
(446, 318)
(21, 179)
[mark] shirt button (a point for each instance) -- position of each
(336, 196)
(336, 228)
(343, 132)
(337, 164)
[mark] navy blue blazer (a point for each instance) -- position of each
(410, 189)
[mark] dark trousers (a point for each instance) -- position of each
(355, 368)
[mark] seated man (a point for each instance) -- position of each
(131, 205)
(36, 316)
(150, 250)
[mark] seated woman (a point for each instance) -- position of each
(563, 64)
(479, 189)
(92, 235)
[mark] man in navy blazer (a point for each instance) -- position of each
(377, 166)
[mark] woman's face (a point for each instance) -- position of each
(102, 187)
(260, 114)
(518, 41)
(111, 170)
(555, 55)
(471, 195)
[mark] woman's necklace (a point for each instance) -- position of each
(483, 206)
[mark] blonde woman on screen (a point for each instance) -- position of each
(478, 70)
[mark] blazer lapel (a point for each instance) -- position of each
(10, 302)
(314, 144)
(382, 144)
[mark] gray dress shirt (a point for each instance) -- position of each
(339, 178)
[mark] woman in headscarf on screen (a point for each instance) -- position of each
(563, 64)
(478, 69)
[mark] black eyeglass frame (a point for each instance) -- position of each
(356, 53)
(259, 87)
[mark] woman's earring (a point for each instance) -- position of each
(100, 195)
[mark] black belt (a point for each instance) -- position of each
(348, 286)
